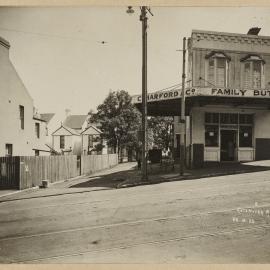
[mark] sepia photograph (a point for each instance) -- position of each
(134, 134)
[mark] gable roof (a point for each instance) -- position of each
(70, 130)
(47, 116)
(75, 121)
(97, 131)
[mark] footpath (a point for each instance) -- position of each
(105, 179)
(127, 175)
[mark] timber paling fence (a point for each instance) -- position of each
(23, 172)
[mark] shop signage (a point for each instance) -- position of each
(231, 92)
(158, 96)
(206, 91)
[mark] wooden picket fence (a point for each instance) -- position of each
(94, 163)
(29, 171)
(9, 172)
(52, 168)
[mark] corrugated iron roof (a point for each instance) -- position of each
(47, 116)
(75, 121)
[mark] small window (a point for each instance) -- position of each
(8, 150)
(245, 136)
(90, 141)
(37, 130)
(36, 152)
(211, 136)
(253, 76)
(22, 116)
(62, 142)
(217, 69)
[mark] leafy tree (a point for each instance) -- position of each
(119, 120)
(162, 129)
(98, 147)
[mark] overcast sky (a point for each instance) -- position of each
(60, 58)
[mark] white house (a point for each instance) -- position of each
(91, 137)
(66, 140)
(75, 136)
(21, 132)
(41, 137)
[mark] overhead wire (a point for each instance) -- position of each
(43, 34)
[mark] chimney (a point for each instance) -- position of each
(67, 111)
(254, 31)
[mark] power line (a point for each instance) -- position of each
(46, 35)
(170, 87)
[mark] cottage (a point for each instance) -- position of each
(76, 136)
(91, 138)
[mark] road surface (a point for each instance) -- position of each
(212, 220)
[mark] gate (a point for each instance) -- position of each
(9, 172)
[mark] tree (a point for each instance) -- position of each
(119, 120)
(162, 128)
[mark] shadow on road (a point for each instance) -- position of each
(108, 180)
(158, 174)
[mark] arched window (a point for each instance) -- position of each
(217, 69)
(252, 72)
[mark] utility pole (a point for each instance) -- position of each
(182, 117)
(143, 19)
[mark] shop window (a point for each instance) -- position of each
(245, 136)
(253, 77)
(229, 118)
(211, 136)
(212, 118)
(217, 69)
(62, 142)
(246, 119)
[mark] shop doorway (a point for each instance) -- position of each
(228, 145)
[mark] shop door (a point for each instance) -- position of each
(228, 145)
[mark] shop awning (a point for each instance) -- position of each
(168, 103)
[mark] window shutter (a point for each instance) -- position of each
(211, 71)
(256, 74)
(221, 72)
(247, 75)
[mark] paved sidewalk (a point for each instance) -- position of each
(127, 175)
(105, 179)
(158, 174)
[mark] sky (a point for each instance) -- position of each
(59, 54)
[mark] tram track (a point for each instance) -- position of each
(134, 222)
(118, 221)
(202, 235)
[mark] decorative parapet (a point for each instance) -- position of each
(198, 35)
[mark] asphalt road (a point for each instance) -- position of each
(222, 219)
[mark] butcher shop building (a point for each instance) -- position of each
(227, 98)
